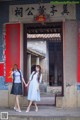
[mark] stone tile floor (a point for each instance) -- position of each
(47, 111)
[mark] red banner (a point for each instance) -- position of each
(12, 48)
(78, 54)
(1, 69)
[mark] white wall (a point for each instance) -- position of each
(37, 45)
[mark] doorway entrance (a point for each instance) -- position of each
(55, 63)
(43, 45)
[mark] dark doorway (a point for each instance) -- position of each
(55, 63)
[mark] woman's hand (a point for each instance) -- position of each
(26, 85)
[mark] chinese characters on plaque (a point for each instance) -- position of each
(28, 12)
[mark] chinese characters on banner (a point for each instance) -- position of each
(28, 12)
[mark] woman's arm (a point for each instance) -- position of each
(30, 78)
(23, 81)
(23, 78)
(11, 75)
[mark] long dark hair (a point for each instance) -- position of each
(39, 74)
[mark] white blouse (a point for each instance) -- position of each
(17, 76)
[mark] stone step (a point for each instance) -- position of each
(44, 113)
(42, 118)
(47, 101)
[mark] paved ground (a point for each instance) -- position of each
(46, 111)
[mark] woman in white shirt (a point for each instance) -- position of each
(17, 85)
(33, 91)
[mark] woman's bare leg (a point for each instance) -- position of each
(28, 108)
(17, 102)
(36, 106)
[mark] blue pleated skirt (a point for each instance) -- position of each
(16, 89)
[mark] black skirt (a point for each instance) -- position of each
(16, 89)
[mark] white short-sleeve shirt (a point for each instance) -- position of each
(17, 76)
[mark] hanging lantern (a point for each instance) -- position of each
(40, 18)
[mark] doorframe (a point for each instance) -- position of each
(25, 46)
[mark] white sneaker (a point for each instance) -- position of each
(18, 110)
(27, 110)
(15, 108)
(36, 109)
